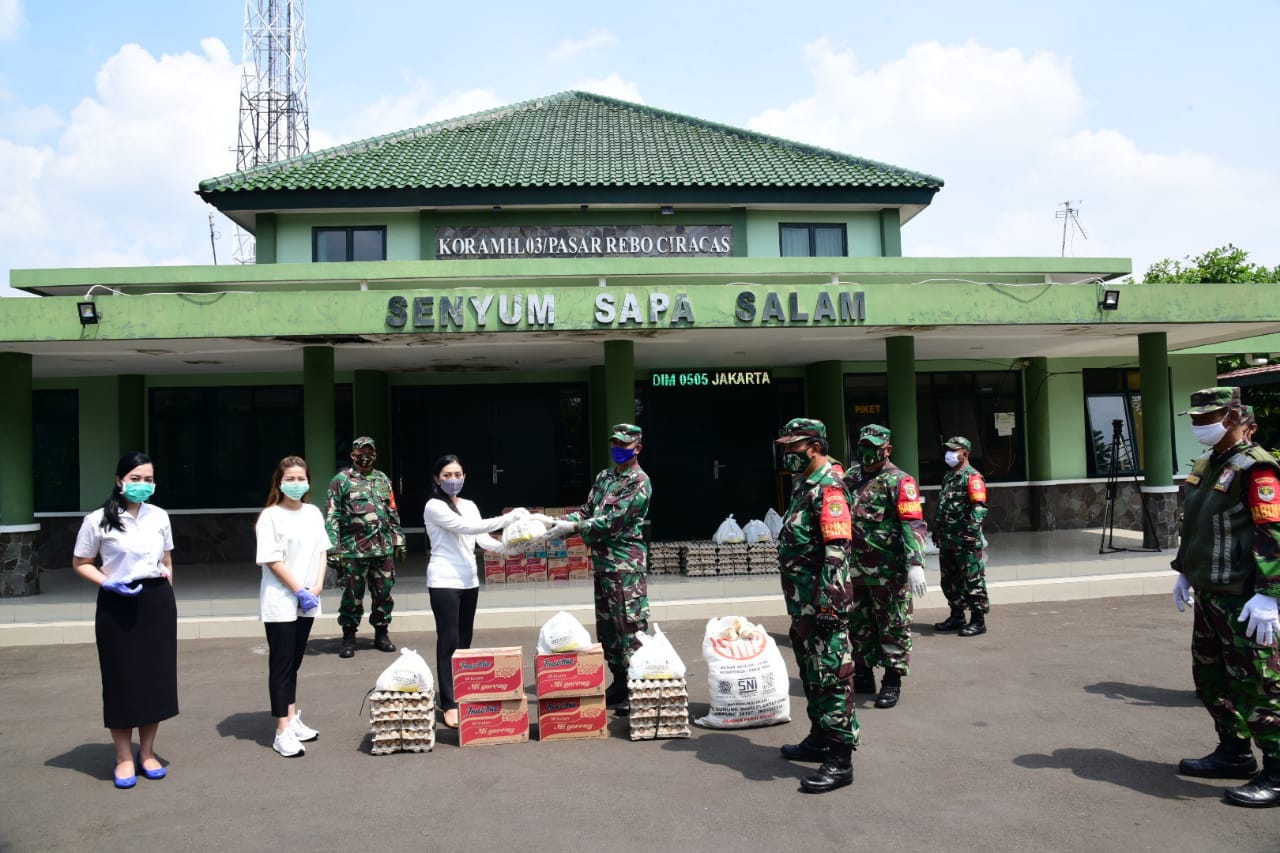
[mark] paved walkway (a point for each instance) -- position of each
(221, 600)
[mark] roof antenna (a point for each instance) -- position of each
(1070, 215)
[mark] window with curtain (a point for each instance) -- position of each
(812, 241)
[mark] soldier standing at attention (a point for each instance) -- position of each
(813, 558)
(887, 564)
(1230, 556)
(611, 524)
(957, 531)
(361, 516)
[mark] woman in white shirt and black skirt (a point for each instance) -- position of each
(136, 623)
(454, 526)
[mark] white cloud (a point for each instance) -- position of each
(10, 18)
(593, 40)
(416, 105)
(1008, 132)
(612, 86)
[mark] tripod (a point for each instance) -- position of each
(1119, 449)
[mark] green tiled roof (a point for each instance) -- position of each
(573, 139)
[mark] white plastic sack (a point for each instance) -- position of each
(728, 532)
(656, 658)
(756, 531)
(562, 633)
(521, 535)
(409, 673)
(774, 522)
(746, 675)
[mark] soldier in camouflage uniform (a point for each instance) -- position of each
(813, 558)
(361, 516)
(887, 564)
(1229, 555)
(957, 531)
(611, 524)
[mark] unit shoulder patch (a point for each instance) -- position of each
(909, 500)
(1264, 497)
(977, 489)
(834, 521)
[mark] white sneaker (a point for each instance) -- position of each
(287, 744)
(301, 730)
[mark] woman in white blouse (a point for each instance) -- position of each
(125, 548)
(454, 526)
(292, 544)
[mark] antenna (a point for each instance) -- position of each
(213, 239)
(1070, 216)
(274, 124)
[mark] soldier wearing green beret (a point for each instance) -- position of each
(1228, 566)
(957, 531)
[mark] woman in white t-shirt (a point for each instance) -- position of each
(292, 544)
(454, 526)
(125, 548)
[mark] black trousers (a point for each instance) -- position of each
(287, 642)
(455, 613)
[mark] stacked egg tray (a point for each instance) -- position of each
(666, 558)
(762, 558)
(701, 559)
(402, 722)
(659, 708)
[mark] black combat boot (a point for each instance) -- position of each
(381, 641)
(1233, 759)
(954, 622)
(977, 625)
(348, 647)
(890, 689)
(617, 692)
(1263, 791)
(835, 772)
(814, 747)
(864, 680)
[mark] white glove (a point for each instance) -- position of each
(561, 529)
(915, 578)
(1182, 593)
(543, 519)
(1264, 619)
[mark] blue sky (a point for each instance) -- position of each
(1156, 120)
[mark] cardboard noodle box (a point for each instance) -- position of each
(572, 718)
(488, 674)
(494, 721)
(576, 673)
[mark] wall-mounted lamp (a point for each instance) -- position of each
(1257, 359)
(584, 207)
(88, 312)
(497, 208)
(1110, 300)
(666, 210)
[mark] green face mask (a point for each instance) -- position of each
(795, 461)
(295, 489)
(138, 492)
(868, 455)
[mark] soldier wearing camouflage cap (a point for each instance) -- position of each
(1228, 566)
(813, 559)
(887, 564)
(611, 523)
(362, 517)
(957, 531)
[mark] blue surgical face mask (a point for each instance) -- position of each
(622, 455)
(138, 492)
(452, 487)
(951, 457)
(295, 489)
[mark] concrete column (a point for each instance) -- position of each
(19, 574)
(1035, 385)
(371, 399)
(131, 414)
(318, 413)
(264, 242)
(824, 400)
(1159, 495)
(620, 382)
(900, 356)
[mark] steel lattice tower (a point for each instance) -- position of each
(274, 124)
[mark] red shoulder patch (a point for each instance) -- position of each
(1264, 497)
(834, 520)
(977, 489)
(909, 500)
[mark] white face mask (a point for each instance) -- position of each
(1209, 434)
(951, 458)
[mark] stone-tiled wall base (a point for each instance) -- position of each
(19, 574)
(212, 538)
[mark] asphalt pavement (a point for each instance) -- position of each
(1059, 730)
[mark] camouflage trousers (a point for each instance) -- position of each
(825, 661)
(622, 611)
(964, 578)
(880, 626)
(380, 574)
(1238, 679)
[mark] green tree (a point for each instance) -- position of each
(1221, 265)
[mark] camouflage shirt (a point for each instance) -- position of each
(361, 514)
(962, 505)
(888, 526)
(813, 545)
(611, 522)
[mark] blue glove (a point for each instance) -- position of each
(306, 600)
(122, 588)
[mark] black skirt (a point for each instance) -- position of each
(138, 655)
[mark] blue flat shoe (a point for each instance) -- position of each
(124, 782)
(150, 774)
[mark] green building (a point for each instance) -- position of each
(505, 285)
